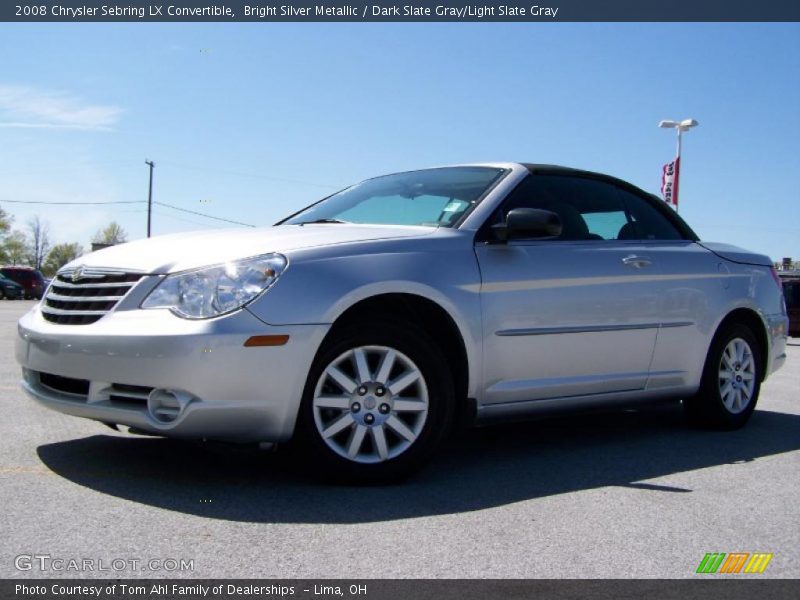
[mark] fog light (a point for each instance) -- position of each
(166, 406)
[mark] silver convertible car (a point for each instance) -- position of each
(364, 326)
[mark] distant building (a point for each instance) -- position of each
(99, 246)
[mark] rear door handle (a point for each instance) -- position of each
(637, 262)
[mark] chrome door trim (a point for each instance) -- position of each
(589, 328)
(677, 324)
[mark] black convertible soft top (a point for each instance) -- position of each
(655, 201)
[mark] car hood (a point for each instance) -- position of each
(737, 255)
(181, 251)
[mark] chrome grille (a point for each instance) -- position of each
(82, 295)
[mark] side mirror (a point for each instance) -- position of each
(528, 223)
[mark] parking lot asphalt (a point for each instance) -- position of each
(623, 494)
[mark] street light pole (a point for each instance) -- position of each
(151, 164)
(680, 126)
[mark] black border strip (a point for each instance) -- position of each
(405, 11)
(704, 587)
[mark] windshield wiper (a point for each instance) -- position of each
(333, 221)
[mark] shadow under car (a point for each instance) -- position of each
(477, 469)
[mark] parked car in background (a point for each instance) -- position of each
(10, 289)
(364, 326)
(791, 292)
(31, 280)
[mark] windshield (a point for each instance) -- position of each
(432, 197)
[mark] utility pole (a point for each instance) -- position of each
(151, 164)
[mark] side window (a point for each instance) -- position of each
(647, 222)
(588, 209)
(606, 225)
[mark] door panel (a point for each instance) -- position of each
(691, 298)
(691, 293)
(566, 318)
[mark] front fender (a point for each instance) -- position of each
(320, 290)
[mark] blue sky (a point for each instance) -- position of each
(252, 121)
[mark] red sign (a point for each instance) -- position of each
(669, 182)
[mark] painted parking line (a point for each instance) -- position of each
(17, 470)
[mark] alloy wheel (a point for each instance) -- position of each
(737, 375)
(370, 404)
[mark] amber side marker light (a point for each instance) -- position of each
(266, 340)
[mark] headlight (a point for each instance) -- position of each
(214, 291)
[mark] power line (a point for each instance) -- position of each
(73, 203)
(186, 210)
(130, 163)
(176, 218)
(254, 175)
(126, 202)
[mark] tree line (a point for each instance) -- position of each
(32, 245)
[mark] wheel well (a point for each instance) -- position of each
(426, 313)
(750, 318)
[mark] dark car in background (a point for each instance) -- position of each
(31, 280)
(10, 289)
(791, 291)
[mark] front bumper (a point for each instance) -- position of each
(227, 391)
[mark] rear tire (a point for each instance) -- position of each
(378, 402)
(731, 380)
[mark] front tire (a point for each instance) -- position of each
(731, 380)
(377, 403)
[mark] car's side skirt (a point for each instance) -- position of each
(491, 413)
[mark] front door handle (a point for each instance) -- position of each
(637, 262)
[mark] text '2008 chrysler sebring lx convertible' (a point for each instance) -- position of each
(365, 325)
